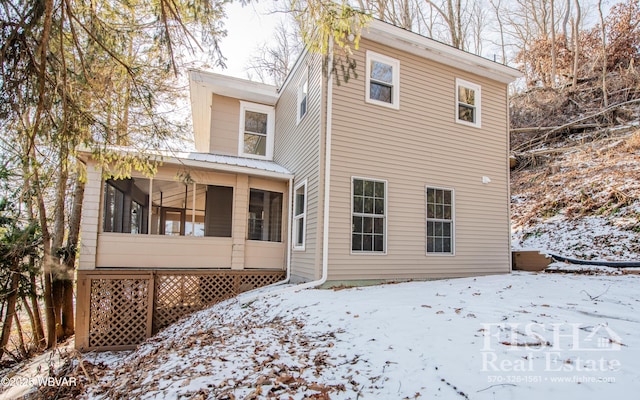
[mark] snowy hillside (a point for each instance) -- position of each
(519, 336)
(584, 203)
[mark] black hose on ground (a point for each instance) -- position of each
(611, 264)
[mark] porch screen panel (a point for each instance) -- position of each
(219, 211)
(265, 215)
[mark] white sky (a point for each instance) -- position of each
(247, 28)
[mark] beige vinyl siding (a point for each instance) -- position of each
(225, 125)
(261, 254)
(418, 145)
(297, 148)
(158, 251)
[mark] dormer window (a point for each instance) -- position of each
(256, 130)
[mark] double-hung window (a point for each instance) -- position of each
(368, 215)
(468, 103)
(440, 234)
(256, 130)
(303, 92)
(382, 80)
(299, 215)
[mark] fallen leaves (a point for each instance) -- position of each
(266, 357)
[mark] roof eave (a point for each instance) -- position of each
(235, 87)
(422, 46)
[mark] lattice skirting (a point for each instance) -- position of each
(118, 309)
(179, 294)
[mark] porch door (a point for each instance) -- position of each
(172, 221)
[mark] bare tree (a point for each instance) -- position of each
(274, 61)
(553, 44)
(576, 43)
(498, 11)
(451, 13)
(603, 32)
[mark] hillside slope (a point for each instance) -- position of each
(583, 202)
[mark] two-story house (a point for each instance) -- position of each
(400, 173)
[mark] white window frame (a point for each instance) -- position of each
(304, 83)
(478, 100)
(263, 109)
(395, 90)
(302, 216)
(453, 222)
(385, 216)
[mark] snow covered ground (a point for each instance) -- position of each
(518, 336)
(587, 238)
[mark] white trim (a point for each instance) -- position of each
(402, 39)
(395, 89)
(385, 216)
(477, 106)
(225, 85)
(193, 208)
(150, 212)
(271, 114)
(304, 81)
(453, 221)
(302, 216)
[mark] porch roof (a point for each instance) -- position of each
(227, 163)
(217, 162)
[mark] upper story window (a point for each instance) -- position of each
(467, 103)
(303, 92)
(383, 80)
(256, 130)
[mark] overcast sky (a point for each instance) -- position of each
(247, 28)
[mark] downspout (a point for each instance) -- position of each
(327, 184)
(248, 298)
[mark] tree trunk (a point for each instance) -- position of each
(38, 329)
(12, 296)
(68, 326)
(59, 273)
(47, 260)
(32, 321)
(553, 44)
(22, 348)
(565, 22)
(603, 32)
(576, 45)
(37, 317)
